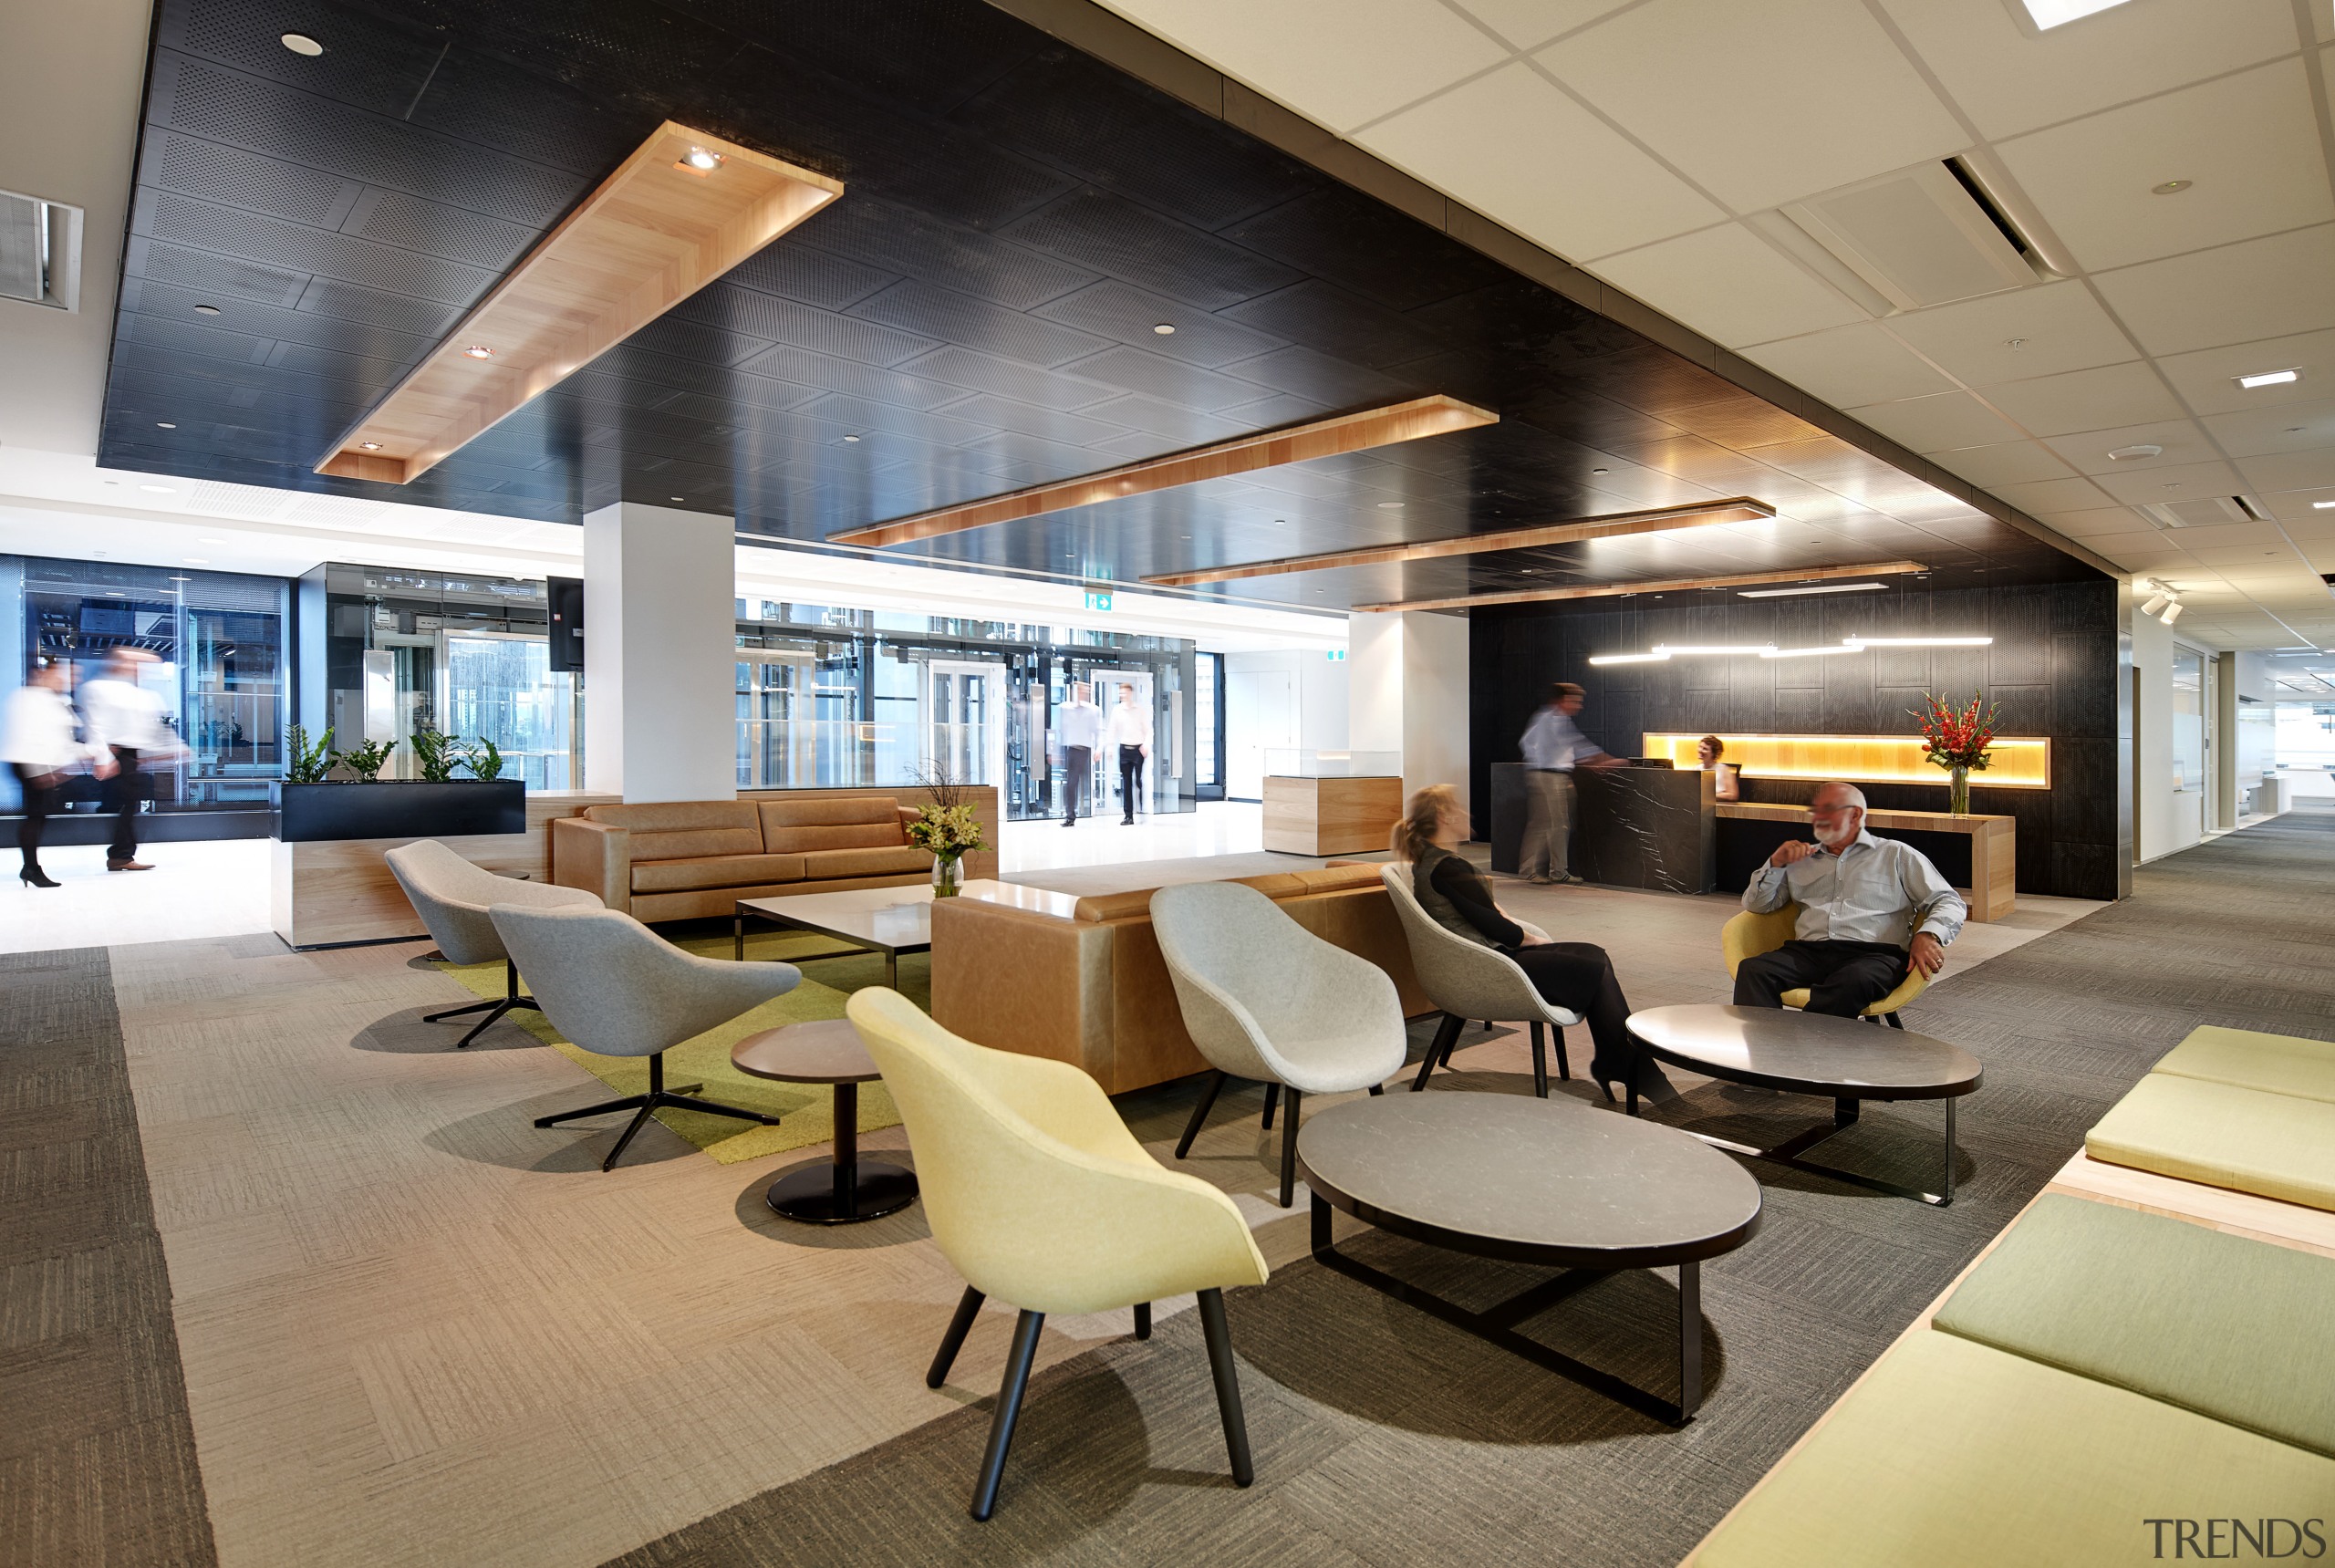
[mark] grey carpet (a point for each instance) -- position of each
(96, 1452)
(1384, 1438)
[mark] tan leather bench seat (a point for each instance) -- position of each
(823, 864)
(715, 871)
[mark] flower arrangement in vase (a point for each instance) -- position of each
(946, 828)
(1957, 741)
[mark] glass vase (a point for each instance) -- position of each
(1958, 792)
(947, 877)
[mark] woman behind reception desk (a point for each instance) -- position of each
(1707, 751)
(1576, 976)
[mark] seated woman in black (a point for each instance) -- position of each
(1576, 976)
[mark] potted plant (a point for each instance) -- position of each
(362, 804)
(1957, 741)
(947, 829)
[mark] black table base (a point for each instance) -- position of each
(846, 1190)
(1844, 1115)
(1497, 1325)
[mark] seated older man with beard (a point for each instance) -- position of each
(1870, 911)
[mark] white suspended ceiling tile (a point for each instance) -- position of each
(1762, 103)
(2099, 522)
(2254, 536)
(2097, 399)
(1850, 364)
(2248, 144)
(2008, 463)
(1528, 24)
(2294, 507)
(1940, 422)
(2180, 482)
(2013, 337)
(2009, 81)
(2268, 287)
(1728, 284)
(2285, 427)
(2208, 378)
(1516, 148)
(2289, 470)
(2053, 495)
(1340, 62)
(2182, 439)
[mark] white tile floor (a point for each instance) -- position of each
(195, 891)
(1218, 828)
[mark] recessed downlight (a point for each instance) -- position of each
(1390, 507)
(301, 44)
(2171, 188)
(371, 445)
(1166, 329)
(206, 310)
(2268, 379)
(2129, 453)
(479, 351)
(164, 425)
(703, 160)
(852, 438)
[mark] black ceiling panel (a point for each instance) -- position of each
(978, 310)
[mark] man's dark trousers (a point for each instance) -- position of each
(1077, 769)
(1130, 778)
(1842, 978)
(119, 796)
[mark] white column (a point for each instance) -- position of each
(659, 644)
(1407, 675)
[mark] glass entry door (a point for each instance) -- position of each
(778, 730)
(965, 720)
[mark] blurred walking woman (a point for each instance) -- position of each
(39, 746)
(1576, 976)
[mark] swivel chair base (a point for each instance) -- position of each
(658, 1097)
(493, 1010)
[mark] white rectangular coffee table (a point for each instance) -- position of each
(888, 920)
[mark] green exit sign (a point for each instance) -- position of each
(1337, 656)
(1098, 598)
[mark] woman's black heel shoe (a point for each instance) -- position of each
(1605, 1087)
(33, 877)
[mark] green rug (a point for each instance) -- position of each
(807, 1109)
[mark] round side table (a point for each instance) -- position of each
(849, 1191)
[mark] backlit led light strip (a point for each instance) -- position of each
(1663, 652)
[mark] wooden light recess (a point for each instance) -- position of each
(655, 232)
(1666, 585)
(1656, 520)
(1421, 417)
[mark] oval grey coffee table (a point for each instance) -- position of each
(1532, 1181)
(1843, 1059)
(848, 1189)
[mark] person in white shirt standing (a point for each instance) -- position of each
(1078, 730)
(126, 722)
(1130, 737)
(1871, 911)
(1553, 746)
(39, 745)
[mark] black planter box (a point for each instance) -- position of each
(310, 813)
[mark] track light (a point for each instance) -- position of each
(2172, 613)
(2155, 602)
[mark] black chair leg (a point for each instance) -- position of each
(658, 1097)
(1143, 1320)
(1565, 1067)
(1272, 1098)
(1893, 1020)
(968, 1307)
(1540, 1059)
(1377, 1088)
(1289, 1151)
(459, 1011)
(479, 1028)
(1199, 1113)
(1438, 1049)
(647, 1109)
(1008, 1409)
(1228, 1385)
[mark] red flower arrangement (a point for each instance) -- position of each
(1958, 739)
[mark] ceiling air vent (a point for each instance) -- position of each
(2208, 512)
(40, 252)
(1924, 235)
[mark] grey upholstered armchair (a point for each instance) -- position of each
(1265, 999)
(1467, 979)
(452, 895)
(616, 988)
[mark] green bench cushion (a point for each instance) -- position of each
(2275, 1064)
(1953, 1453)
(2241, 1331)
(2276, 1145)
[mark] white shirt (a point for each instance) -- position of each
(121, 713)
(38, 730)
(1554, 740)
(1873, 890)
(1079, 724)
(1129, 727)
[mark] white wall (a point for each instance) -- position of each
(2153, 823)
(1315, 708)
(660, 635)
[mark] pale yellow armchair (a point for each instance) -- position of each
(1038, 1194)
(1748, 935)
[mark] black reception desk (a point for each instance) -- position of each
(1632, 827)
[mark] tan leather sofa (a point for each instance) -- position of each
(682, 859)
(1082, 980)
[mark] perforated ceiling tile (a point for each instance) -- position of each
(1309, 374)
(756, 315)
(830, 374)
(897, 239)
(985, 372)
(399, 313)
(1343, 235)
(181, 220)
(961, 318)
(1152, 251)
(368, 62)
(796, 271)
(1324, 316)
(1134, 315)
(411, 223)
(212, 274)
(240, 179)
(1167, 380)
(1007, 414)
